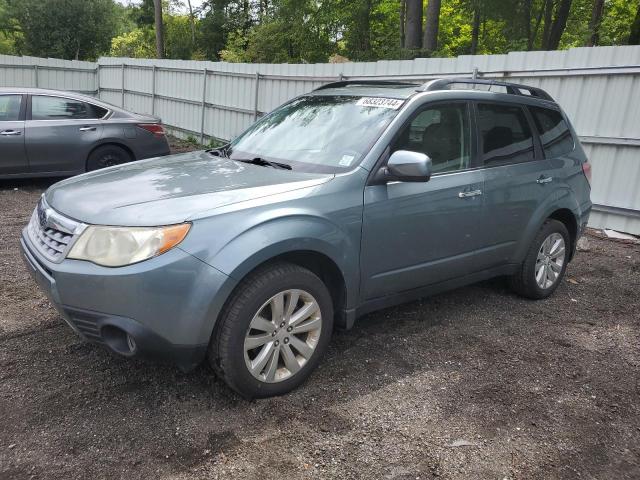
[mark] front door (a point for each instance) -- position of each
(418, 234)
(13, 158)
(60, 133)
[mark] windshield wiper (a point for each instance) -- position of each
(264, 163)
(220, 152)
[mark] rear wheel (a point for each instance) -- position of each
(107, 156)
(545, 263)
(273, 332)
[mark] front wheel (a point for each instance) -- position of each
(545, 263)
(273, 332)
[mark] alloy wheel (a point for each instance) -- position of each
(550, 261)
(282, 335)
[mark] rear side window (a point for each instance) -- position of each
(58, 108)
(10, 108)
(506, 135)
(554, 132)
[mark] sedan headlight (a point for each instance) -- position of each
(119, 246)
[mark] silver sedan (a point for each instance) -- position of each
(54, 133)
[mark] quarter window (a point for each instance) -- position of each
(554, 132)
(10, 108)
(58, 108)
(506, 136)
(442, 132)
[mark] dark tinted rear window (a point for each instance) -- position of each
(60, 108)
(505, 132)
(554, 132)
(10, 108)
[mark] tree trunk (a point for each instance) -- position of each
(192, 20)
(403, 7)
(475, 28)
(432, 25)
(594, 24)
(157, 4)
(526, 18)
(413, 31)
(548, 18)
(634, 36)
(559, 24)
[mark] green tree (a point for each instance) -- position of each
(69, 29)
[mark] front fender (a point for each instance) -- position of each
(246, 247)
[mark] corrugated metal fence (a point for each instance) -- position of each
(599, 88)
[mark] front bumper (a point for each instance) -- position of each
(167, 305)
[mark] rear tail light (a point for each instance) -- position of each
(586, 168)
(156, 128)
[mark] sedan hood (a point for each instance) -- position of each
(171, 189)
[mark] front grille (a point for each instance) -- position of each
(50, 233)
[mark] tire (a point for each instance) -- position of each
(107, 156)
(239, 327)
(532, 282)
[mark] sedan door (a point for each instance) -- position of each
(13, 158)
(418, 234)
(60, 133)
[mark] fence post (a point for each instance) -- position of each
(204, 104)
(256, 92)
(122, 89)
(35, 72)
(153, 89)
(97, 73)
(475, 73)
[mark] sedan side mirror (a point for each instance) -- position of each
(407, 166)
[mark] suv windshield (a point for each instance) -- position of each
(325, 134)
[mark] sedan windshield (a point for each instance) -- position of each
(326, 134)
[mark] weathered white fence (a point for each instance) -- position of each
(599, 88)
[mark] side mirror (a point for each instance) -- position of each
(407, 166)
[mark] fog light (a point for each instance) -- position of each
(131, 343)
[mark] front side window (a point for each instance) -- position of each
(322, 133)
(10, 108)
(554, 132)
(58, 108)
(441, 132)
(505, 133)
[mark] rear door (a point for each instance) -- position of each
(60, 133)
(516, 177)
(13, 158)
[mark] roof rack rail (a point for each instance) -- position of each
(345, 83)
(512, 88)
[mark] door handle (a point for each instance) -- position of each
(543, 180)
(87, 129)
(9, 133)
(472, 193)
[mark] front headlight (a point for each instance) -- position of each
(119, 246)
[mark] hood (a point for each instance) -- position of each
(170, 189)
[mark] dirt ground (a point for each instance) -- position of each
(472, 384)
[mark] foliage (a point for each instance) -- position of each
(293, 31)
(70, 29)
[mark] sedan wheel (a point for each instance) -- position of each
(282, 336)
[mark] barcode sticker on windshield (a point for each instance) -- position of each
(392, 103)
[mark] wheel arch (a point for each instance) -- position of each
(561, 206)
(107, 143)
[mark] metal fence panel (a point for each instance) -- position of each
(599, 88)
